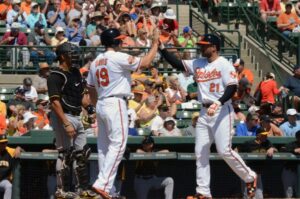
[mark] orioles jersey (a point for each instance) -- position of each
(110, 74)
(211, 78)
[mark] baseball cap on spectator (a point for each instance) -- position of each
(169, 14)
(34, 4)
(138, 89)
(27, 81)
(209, 39)
(20, 91)
(291, 111)
(238, 62)
(253, 109)
(265, 118)
(261, 131)
(157, 3)
(38, 25)
(170, 119)
(16, 1)
(148, 140)
(15, 25)
(3, 138)
(27, 116)
(186, 29)
(59, 30)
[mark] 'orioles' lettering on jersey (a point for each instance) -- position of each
(203, 75)
(110, 73)
(212, 78)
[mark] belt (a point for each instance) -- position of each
(206, 105)
(121, 97)
(75, 113)
(145, 177)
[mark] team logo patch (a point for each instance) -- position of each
(233, 74)
(203, 75)
(131, 59)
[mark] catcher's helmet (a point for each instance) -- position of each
(109, 37)
(72, 50)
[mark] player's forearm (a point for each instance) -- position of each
(172, 60)
(228, 94)
(57, 108)
(147, 59)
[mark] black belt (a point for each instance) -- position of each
(75, 113)
(145, 177)
(124, 98)
(206, 105)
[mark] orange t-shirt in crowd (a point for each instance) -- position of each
(26, 7)
(4, 6)
(269, 90)
(41, 117)
(247, 74)
(3, 125)
(285, 18)
(66, 5)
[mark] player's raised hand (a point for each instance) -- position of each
(213, 108)
(156, 34)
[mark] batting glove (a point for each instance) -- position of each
(213, 108)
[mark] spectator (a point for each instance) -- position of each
(238, 114)
(95, 39)
(28, 124)
(175, 92)
(40, 80)
(269, 8)
(56, 17)
(16, 15)
(283, 4)
(15, 121)
(19, 99)
(26, 6)
(116, 8)
(192, 91)
(287, 21)
(260, 144)
(39, 37)
(66, 5)
(145, 173)
(292, 125)
(292, 84)
(127, 25)
(137, 10)
(148, 111)
(59, 37)
(149, 88)
(268, 126)
(242, 71)
(35, 16)
(268, 89)
(42, 120)
(243, 93)
(184, 79)
(16, 38)
(30, 92)
(155, 77)
(136, 103)
(75, 12)
(169, 128)
(132, 117)
(8, 159)
(97, 19)
(169, 23)
(289, 172)
(75, 32)
(158, 122)
(146, 22)
(5, 7)
(187, 40)
(142, 39)
(249, 127)
(3, 108)
(3, 125)
(190, 131)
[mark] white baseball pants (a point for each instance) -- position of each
(112, 138)
(218, 128)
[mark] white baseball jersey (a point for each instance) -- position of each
(110, 74)
(212, 78)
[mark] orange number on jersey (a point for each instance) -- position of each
(214, 87)
(102, 77)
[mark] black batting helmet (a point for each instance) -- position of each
(109, 37)
(72, 50)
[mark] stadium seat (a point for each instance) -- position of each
(2, 24)
(7, 90)
(183, 123)
(6, 98)
(143, 131)
(184, 114)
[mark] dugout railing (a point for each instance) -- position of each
(181, 150)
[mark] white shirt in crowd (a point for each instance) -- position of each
(30, 94)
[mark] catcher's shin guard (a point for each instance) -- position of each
(63, 170)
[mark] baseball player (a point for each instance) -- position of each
(217, 82)
(109, 79)
(68, 96)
